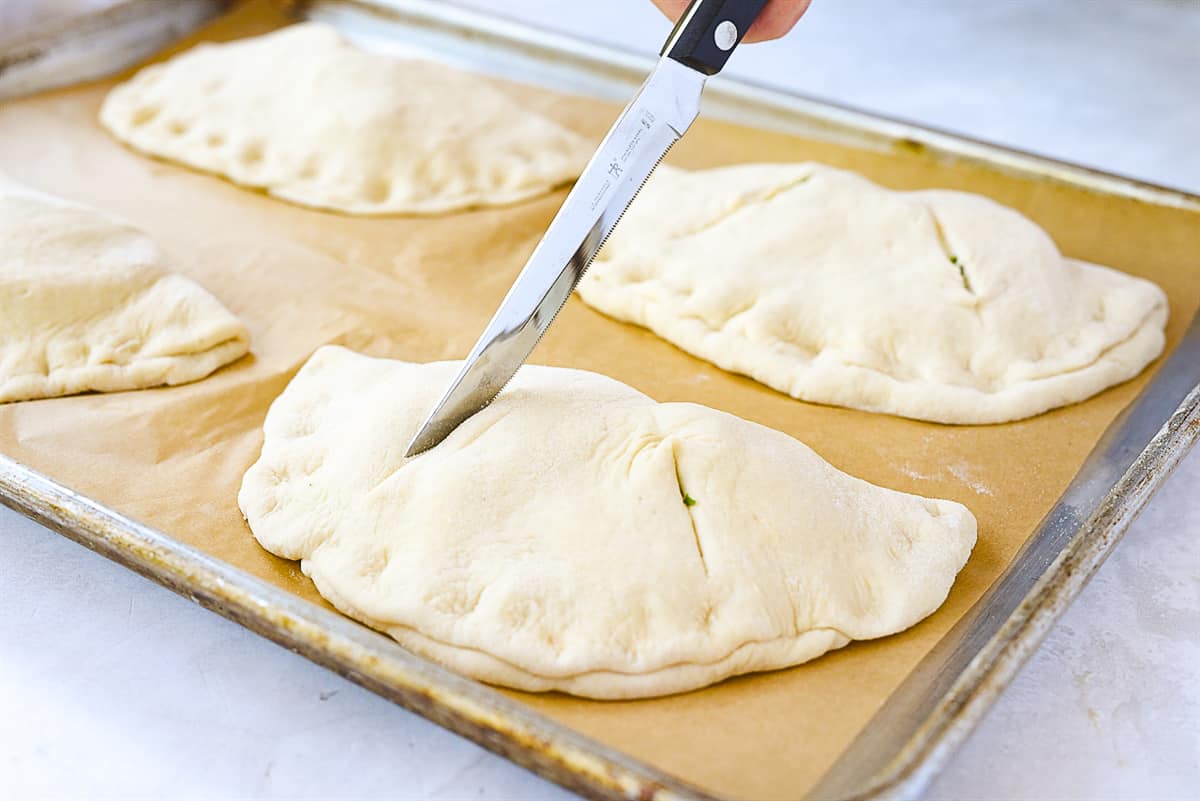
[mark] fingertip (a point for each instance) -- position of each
(776, 19)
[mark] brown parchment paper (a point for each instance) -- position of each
(421, 288)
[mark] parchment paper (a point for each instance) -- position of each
(421, 289)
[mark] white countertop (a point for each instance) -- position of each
(112, 687)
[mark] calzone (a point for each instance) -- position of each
(936, 305)
(312, 119)
(576, 535)
(88, 302)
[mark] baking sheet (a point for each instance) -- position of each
(421, 288)
(45, 45)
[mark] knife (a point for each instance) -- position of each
(660, 113)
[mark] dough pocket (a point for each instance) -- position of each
(576, 535)
(936, 305)
(346, 130)
(90, 305)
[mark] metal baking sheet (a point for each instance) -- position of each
(64, 50)
(936, 705)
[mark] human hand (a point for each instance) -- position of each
(776, 19)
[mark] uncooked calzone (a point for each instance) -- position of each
(312, 119)
(86, 303)
(575, 535)
(937, 305)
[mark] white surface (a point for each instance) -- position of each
(111, 687)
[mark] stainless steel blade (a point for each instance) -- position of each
(661, 112)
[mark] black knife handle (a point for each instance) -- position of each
(709, 30)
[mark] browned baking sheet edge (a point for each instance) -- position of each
(933, 710)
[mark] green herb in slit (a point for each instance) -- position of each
(962, 271)
(688, 500)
